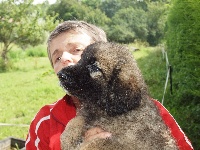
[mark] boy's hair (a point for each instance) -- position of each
(93, 31)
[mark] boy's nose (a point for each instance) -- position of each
(66, 59)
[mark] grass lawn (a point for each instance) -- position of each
(23, 92)
(32, 84)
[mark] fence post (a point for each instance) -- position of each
(169, 73)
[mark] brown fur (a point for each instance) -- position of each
(114, 96)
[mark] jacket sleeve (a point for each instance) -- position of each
(182, 141)
(38, 136)
(48, 124)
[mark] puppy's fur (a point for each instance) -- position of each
(114, 96)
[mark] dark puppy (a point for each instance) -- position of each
(113, 96)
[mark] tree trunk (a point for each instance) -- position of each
(4, 56)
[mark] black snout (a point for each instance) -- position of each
(65, 77)
(62, 76)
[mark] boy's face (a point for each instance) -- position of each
(67, 47)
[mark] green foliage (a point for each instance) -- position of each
(92, 3)
(75, 10)
(38, 51)
(156, 19)
(16, 54)
(4, 66)
(128, 24)
(110, 7)
(22, 23)
(123, 21)
(153, 67)
(183, 43)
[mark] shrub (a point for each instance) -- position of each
(183, 43)
(38, 51)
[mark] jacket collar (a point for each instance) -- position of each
(64, 110)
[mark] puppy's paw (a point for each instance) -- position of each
(72, 135)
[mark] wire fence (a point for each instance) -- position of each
(18, 125)
(169, 73)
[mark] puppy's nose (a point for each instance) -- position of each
(62, 76)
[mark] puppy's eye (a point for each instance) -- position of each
(93, 67)
(94, 70)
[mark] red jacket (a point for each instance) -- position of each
(50, 122)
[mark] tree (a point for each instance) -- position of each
(123, 20)
(183, 42)
(92, 3)
(156, 20)
(127, 25)
(110, 7)
(75, 10)
(21, 23)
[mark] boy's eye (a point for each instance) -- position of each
(78, 50)
(58, 58)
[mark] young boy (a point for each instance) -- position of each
(65, 46)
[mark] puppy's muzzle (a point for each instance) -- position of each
(64, 77)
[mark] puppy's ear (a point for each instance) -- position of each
(94, 70)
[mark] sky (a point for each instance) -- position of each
(41, 1)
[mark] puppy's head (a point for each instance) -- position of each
(107, 77)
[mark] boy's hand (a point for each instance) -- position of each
(98, 139)
(95, 133)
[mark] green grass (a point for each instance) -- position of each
(153, 67)
(31, 83)
(24, 91)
